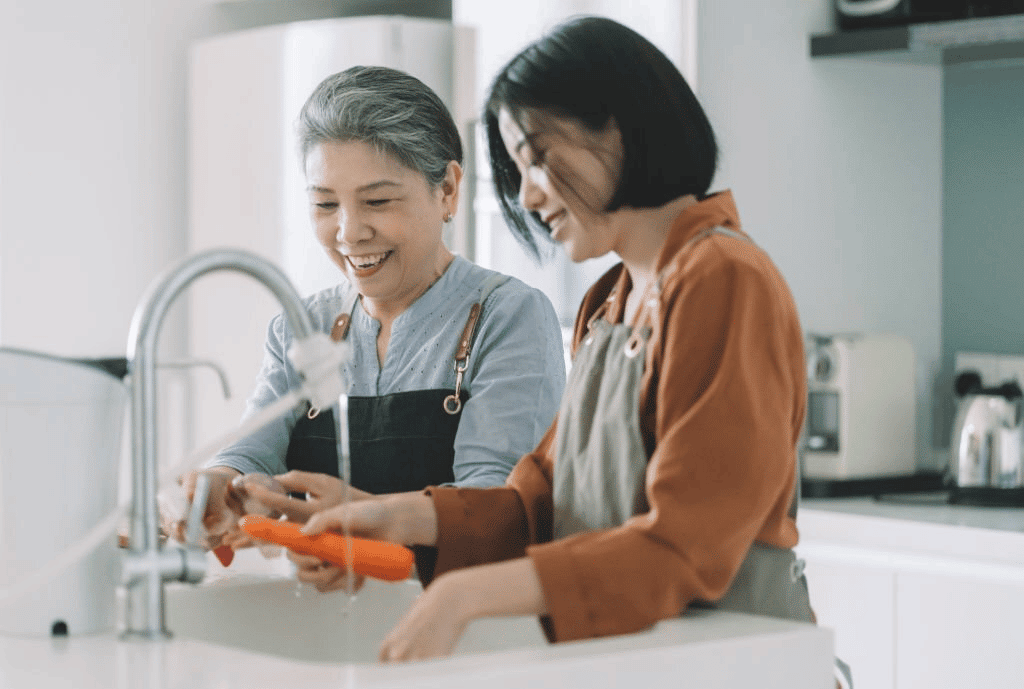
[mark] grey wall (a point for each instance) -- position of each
(837, 171)
(983, 213)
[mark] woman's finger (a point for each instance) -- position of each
(305, 481)
(297, 511)
(322, 521)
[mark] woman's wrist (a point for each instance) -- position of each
(498, 589)
(415, 517)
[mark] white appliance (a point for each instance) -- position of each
(60, 445)
(861, 407)
(246, 185)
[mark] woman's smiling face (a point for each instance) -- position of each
(568, 176)
(378, 220)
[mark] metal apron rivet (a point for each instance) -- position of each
(796, 569)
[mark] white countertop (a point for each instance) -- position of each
(915, 524)
(716, 649)
(923, 507)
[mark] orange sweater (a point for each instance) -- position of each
(722, 403)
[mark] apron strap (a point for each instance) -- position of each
(651, 297)
(453, 403)
(348, 305)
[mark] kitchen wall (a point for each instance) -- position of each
(92, 155)
(983, 214)
(836, 166)
(92, 167)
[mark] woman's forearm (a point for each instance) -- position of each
(414, 517)
(434, 624)
(500, 589)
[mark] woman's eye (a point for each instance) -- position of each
(326, 205)
(377, 202)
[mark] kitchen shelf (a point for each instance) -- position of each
(936, 43)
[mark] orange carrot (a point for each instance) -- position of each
(377, 559)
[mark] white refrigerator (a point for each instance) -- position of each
(246, 187)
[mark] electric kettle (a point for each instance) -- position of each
(985, 448)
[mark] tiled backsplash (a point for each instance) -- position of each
(994, 369)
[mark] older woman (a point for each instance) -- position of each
(455, 370)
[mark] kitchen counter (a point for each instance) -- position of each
(915, 525)
(713, 649)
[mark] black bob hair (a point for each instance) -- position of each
(593, 69)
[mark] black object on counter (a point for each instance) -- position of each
(115, 366)
(987, 496)
(920, 482)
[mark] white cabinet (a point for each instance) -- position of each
(917, 605)
(960, 630)
(856, 599)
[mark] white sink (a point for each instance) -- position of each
(278, 616)
(271, 628)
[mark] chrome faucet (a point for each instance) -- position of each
(146, 565)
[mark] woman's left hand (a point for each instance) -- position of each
(436, 621)
(432, 627)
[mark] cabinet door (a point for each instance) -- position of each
(960, 628)
(856, 599)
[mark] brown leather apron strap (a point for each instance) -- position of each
(453, 403)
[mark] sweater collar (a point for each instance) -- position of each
(716, 210)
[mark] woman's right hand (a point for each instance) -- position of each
(222, 506)
(407, 518)
(322, 492)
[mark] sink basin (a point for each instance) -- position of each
(278, 616)
(271, 624)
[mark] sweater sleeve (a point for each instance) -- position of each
(722, 467)
(477, 526)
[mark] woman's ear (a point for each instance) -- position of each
(450, 186)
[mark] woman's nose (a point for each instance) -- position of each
(351, 229)
(531, 194)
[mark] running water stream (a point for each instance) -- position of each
(345, 472)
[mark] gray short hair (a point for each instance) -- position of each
(394, 112)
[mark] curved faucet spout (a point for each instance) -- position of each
(144, 606)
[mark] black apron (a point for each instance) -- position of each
(400, 442)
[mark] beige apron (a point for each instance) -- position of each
(600, 464)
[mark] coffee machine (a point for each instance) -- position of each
(861, 407)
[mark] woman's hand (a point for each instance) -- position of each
(222, 506)
(436, 621)
(323, 575)
(322, 492)
(407, 519)
(434, 624)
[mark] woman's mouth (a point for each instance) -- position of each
(554, 222)
(368, 264)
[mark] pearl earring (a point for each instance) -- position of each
(447, 217)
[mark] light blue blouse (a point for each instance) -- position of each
(515, 376)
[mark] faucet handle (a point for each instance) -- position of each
(195, 532)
